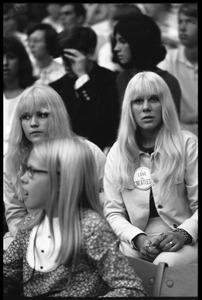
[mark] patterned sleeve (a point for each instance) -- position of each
(102, 247)
(13, 260)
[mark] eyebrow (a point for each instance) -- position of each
(36, 112)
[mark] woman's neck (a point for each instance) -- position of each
(147, 139)
(12, 89)
(133, 70)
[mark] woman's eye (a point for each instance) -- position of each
(138, 101)
(122, 41)
(25, 117)
(154, 99)
(43, 115)
(11, 55)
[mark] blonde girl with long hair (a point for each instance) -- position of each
(40, 115)
(67, 248)
(151, 177)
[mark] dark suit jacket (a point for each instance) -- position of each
(93, 108)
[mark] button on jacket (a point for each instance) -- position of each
(93, 108)
(128, 211)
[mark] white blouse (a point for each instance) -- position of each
(41, 253)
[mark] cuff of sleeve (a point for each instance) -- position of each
(133, 241)
(81, 81)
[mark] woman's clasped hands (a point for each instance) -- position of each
(150, 247)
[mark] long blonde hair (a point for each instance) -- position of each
(38, 97)
(76, 187)
(169, 141)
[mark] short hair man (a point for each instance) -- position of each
(72, 15)
(183, 64)
(88, 90)
(43, 43)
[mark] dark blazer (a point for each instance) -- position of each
(93, 108)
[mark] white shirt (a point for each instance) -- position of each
(187, 74)
(51, 73)
(41, 253)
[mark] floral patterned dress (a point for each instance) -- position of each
(100, 270)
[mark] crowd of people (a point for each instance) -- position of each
(100, 145)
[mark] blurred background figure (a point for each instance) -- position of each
(17, 75)
(164, 14)
(53, 17)
(72, 15)
(10, 25)
(96, 12)
(104, 30)
(183, 64)
(43, 43)
(137, 46)
(87, 89)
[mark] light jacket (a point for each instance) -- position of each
(128, 211)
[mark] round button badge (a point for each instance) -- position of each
(142, 179)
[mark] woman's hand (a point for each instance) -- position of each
(173, 241)
(147, 248)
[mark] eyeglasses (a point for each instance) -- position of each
(30, 171)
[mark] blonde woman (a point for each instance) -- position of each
(40, 114)
(67, 249)
(151, 177)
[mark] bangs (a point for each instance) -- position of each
(146, 88)
(31, 103)
(12, 45)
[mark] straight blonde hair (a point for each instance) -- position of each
(36, 98)
(76, 188)
(169, 141)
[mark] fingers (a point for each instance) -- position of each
(147, 256)
(148, 252)
(72, 53)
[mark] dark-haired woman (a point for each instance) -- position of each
(138, 47)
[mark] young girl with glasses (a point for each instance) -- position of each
(66, 248)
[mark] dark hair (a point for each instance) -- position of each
(78, 8)
(125, 10)
(25, 71)
(7, 7)
(144, 38)
(189, 9)
(50, 35)
(81, 38)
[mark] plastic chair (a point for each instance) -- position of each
(163, 281)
